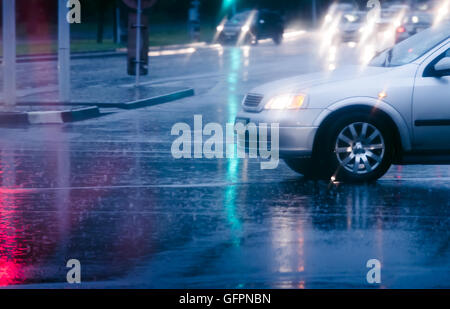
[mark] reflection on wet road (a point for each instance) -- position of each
(108, 192)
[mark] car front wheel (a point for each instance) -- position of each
(278, 38)
(355, 148)
(358, 148)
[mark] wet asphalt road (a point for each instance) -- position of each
(108, 192)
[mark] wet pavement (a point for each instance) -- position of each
(108, 192)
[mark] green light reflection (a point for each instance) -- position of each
(232, 174)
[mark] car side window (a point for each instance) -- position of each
(430, 72)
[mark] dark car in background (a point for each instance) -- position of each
(248, 27)
(414, 23)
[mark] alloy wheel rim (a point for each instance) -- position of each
(360, 148)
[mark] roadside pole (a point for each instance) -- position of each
(194, 21)
(118, 29)
(63, 52)
(138, 42)
(9, 53)
(314, 13)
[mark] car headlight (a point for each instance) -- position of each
(350, 18)
(286, 101)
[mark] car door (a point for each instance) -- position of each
(431, 105)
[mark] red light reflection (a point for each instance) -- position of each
(10, 271)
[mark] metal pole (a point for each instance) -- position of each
(63, 52)
(118, 25)
(138, 42)
(194, 20)
(314, 12)
(9, 53)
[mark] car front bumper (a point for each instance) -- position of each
(349, 36)
(229, 36)
(296, 131)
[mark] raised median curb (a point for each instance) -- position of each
(173, 96)
(146, 102)
(48, 117)
(13, 118)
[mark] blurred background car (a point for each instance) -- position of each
(390, 26)
(415, 22)
(336, 10)
(349, 26)
(248, 27)
(342, 8)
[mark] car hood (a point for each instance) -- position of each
(352, 82)
(305, 82)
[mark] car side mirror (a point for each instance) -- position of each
(443, 65)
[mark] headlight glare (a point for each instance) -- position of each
(245, 28)
(286, 101)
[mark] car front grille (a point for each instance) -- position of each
(253, 100)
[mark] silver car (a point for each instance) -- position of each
(352, 124)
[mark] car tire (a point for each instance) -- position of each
(357, 147)
(278, 38)
(248, 40)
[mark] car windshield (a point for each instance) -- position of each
(412, 48)
(342, 7)
(240, 18)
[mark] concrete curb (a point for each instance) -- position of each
(165, 98)
(49, 117)
(13, 118)
(173, 96)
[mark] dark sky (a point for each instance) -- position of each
(32, 13)
(164, 10)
